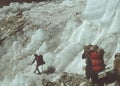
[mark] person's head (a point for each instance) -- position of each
(35, 55)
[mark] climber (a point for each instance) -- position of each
(94, 62)
(39, 61)
(86, 56)
(117, 68)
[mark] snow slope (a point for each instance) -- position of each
(58, 30)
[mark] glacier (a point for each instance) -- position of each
(58, 30)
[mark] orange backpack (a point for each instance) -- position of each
(97, 62)
(40, 60)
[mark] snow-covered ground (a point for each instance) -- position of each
(57, 30)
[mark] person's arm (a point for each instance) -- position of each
(83, 56)
(34, 60)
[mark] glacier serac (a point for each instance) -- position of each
(58, 30)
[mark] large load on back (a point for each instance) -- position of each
(40, 60)
(97, 59)
(95, 56)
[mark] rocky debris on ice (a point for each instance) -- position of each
(11, 25)
(67, 79)
(106, 77)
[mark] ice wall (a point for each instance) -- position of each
(103, 15)
(101, 26)
(58, 31)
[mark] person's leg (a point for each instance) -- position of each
(118, 80)
(35, 69)
(94, 78)
(87, 75)
(87, 72)
(101, 81)
(38, 69)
